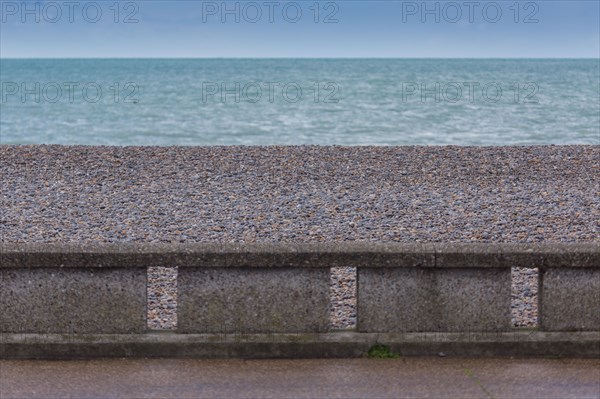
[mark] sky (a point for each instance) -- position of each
(333, 29)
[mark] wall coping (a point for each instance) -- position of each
(332, 254)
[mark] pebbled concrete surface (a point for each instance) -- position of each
(215, 300)
(570, 300)
(393, 300)
(335, 378)
(75, 301)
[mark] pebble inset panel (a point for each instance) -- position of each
(162, 298)
(343, 297)
(524, 301)
(253, 300)
(70, 301)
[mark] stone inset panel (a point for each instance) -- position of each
(253, 300)
(418, 299)
(570, 299)
(67, 301)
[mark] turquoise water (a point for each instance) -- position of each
(302, 101)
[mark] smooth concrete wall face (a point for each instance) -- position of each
(570, 299)
(72, 301)
(420, 299)
(253, 300)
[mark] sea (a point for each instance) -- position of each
(168, 102)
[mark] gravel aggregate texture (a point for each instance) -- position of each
(59, 194)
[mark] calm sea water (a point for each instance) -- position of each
(303, 101)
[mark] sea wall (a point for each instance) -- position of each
(265, 300)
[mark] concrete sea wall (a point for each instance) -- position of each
(262, 300)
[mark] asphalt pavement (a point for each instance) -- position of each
(316, 378)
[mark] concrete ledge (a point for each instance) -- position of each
(541, 255)
(358, 254)
(328, 345)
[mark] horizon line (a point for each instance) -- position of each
(295, 58)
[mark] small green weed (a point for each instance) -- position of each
(379, 351)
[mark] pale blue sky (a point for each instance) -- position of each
(355, 29)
